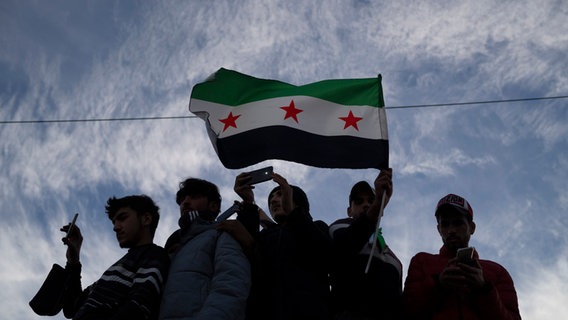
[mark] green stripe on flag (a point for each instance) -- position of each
(232, 88)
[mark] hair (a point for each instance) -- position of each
(140, 203)
(298, 196)
(195, 186)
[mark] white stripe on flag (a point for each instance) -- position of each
(265, 113)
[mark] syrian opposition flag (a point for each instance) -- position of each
(329, 124)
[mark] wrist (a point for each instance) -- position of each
(73, 266)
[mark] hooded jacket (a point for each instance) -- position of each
(209, 275)
(290, 264)
(424, 298)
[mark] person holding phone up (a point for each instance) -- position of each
(456, 284)
(291, 253)
(132, 286)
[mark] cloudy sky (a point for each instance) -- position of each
(81, 60)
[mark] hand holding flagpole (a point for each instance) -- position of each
(384, 182)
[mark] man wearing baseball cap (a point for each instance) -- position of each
(449, 285)
(358, 293)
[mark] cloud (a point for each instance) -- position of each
(95, 60)
(544, 288)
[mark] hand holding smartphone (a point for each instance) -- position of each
(71, 225)
(465, 255)
(261, 175)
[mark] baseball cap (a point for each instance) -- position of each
(360, 188)
(456, 202)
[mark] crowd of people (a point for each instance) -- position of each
(286, 266)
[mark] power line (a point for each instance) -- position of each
(474, 102)
(95, 120)
(189, 117)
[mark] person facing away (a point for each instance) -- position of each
(357, 294)
(291, 259)
(209, 276)
(439, 286)
(131, 287)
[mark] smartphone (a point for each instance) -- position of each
(261, 175)
(229, 212)
(71, 225)
(465, 255)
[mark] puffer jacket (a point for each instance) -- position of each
(424, 298)
(209, 276)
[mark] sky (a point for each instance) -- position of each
(81, 60)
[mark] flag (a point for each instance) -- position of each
(339, 123)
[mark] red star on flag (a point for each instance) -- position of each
(229, 121)
(351, 121)
(291, 111)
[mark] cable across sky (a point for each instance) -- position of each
(189, 117)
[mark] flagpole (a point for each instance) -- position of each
(376, 231)
(381, 101)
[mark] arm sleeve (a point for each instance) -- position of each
(248, 216)
(499, 300)
(230, 284)
(422, 292)
(74, 295)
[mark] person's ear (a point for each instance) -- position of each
(214, 206)
(471, 227)
(146, 219)
(349, 213)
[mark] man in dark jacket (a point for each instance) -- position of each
(358, 293)
(443, 286)
(291, 256)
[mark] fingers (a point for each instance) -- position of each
(73, 235)
(243, 188)
(279, 179)
(242, 179)
(384, 182)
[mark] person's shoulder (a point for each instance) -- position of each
(342, 221)
(148, 254)
(425, 256)
(156, 249)
(492, 265)
(321, 224)
(150, 250)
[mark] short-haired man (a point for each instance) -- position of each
(209, 275)
(131, 287)
(357, 294)
(441, 286)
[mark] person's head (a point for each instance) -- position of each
(299, 199)
(134, 218)
(455, 221)
(360, 199)
(198, 195)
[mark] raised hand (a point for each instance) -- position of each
(73, 240)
